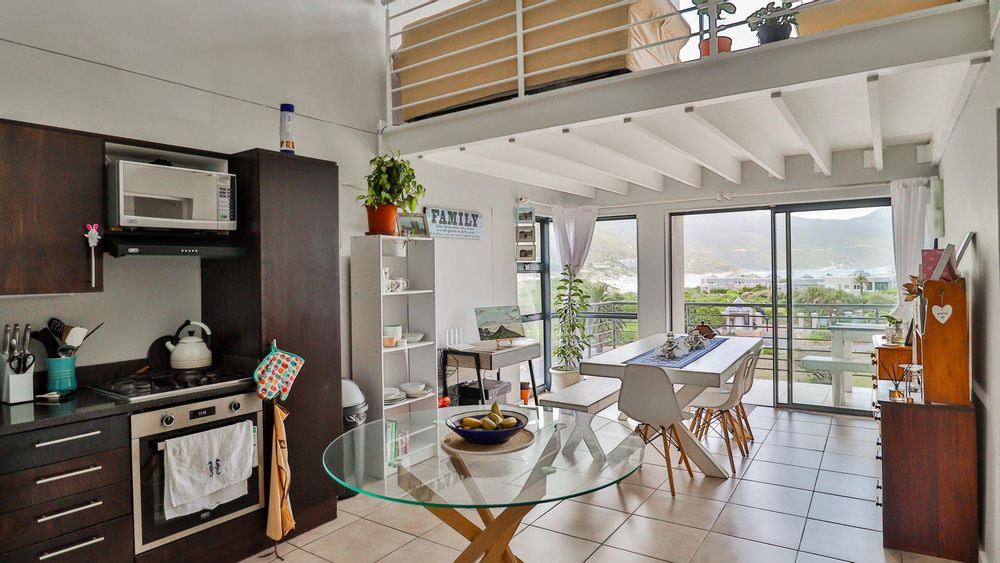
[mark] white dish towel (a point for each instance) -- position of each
(207, 469)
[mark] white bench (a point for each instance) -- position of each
(591, 395)
(840, 370)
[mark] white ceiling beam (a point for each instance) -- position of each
(580, 150)
(875, 118)
(464, 160)
(844, 54)
(519, 153)
(762, 153)
(615, 137)
(941, 135)
(813, 139)
(691, 144)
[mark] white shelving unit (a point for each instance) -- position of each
(374, 366)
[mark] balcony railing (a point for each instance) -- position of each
(502, 50)
(611, 324)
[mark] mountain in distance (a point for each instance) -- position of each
(739, 242)
(501, 333)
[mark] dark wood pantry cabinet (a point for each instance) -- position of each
(287, 289)
(51, 185)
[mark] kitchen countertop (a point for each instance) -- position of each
(87, 404)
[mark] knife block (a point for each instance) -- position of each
(944, 347)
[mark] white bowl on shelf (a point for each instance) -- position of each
(413, 388)
(413, 337)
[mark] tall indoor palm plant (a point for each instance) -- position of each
(572, 340)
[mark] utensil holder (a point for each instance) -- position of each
(61, 374)
(18, 387)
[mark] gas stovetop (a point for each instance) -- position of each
(149, 386)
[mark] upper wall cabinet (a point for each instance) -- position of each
(51, 186)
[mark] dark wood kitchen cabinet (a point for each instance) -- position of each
(51, 185)
(287, 289)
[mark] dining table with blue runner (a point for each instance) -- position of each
(710, 368)
(655, 358)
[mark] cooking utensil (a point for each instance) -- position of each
(25, 338)
(7, 331)
(92, 331)
(190, 352)
(56, 327)
(12, 348)
(22, 362)
(75, 336)
(66, 351)
(45, 338)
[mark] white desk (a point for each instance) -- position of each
(711, 370)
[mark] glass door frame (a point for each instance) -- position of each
(542, 267)
(777, 303)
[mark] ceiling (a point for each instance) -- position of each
(683, 144)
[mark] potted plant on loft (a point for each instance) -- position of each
(722, 8)
(771, 27)
(392, 185)
(571, 302)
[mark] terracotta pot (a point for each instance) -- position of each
(725, 45)
(382, 220)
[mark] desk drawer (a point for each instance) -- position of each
(110, 541)
(49, 445)
(55, 518)
(49, 482)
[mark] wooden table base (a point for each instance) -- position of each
(491, 542)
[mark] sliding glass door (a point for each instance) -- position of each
(812, 280)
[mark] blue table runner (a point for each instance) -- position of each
(653, 357)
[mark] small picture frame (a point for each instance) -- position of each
(412, 224)
(526, 253)
(525, 234)
(524, 215)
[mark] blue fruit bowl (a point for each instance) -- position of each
(482, 435)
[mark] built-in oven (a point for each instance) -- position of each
(150, 430)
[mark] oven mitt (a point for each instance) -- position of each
(276, 373)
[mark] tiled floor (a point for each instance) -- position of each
(805, 494)
(762, 394)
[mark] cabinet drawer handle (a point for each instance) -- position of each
(67, 439)
(91, 469)
(81, 545)
(93, 504)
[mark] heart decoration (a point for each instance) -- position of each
(942, 314)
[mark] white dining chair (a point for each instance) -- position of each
(647, 396)
(741, 411)
(714, 410)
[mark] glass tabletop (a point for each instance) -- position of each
(403, 459)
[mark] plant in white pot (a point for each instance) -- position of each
(392, 185)
(571, 302)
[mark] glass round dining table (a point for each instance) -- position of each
(415, 458)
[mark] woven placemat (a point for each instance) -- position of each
(455, 443)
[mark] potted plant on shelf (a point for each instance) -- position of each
(722, 8)
(571, 302)
(771, 27)
(894, 330)
(392, 185)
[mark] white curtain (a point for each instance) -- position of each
(574, 230)
(911, 200)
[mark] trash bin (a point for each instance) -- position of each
(355, 414)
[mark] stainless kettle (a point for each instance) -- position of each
(190, 352)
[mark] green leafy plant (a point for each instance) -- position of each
(571, 302)
(392, 182)
(763, 16)
(722, 9)
(893, 321)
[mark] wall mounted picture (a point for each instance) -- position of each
(526, 254)
(454, 223)
(412, 224)
(524, 215)
(525, 234)
(499, 323)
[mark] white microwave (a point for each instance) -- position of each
(142, 195)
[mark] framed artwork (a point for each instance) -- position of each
(499, 323)
(524, 215)
(525, 234)
(526, 253)
(412, 224)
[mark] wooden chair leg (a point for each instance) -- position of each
(666, 455)
(729, 446)
(680, 446)
(746, 421)
(737, 428)
(705, 424)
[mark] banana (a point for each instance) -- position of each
(509, 422)
(471, 423)
(488, 423)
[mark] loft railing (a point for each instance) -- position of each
(402, 17)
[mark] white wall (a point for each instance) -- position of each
(206, 75)
(969, 169)
(801, 185)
